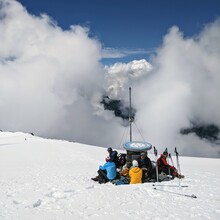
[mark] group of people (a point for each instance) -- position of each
(138, 171)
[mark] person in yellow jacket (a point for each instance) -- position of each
(135, 173)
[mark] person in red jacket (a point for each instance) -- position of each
(163, 166)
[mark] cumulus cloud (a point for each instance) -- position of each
(120, 76)
(52, 82)
(182, 87)
(51, 79)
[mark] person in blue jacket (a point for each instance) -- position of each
(107, 172)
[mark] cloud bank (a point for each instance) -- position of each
(52, 82)
(183, 87)
(51, 79)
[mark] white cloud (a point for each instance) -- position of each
(120, 76)
(183, 86)
(51, 83)
(49, 77)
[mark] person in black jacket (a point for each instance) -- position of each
(145, 164)
(113, 155)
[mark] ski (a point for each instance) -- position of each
(170, 185)
(180, 194)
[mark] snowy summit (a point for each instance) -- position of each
(51, 179)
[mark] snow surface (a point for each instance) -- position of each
(50, 179)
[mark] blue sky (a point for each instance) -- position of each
(129, 25)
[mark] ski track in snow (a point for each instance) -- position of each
(50, 179)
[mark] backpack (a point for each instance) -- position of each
(121, 159)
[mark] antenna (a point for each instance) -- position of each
(130, 118)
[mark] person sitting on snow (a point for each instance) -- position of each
(124, 175)
(125, 170)
(113, 155)
(163, 166)
(145, 164)
(135, 173)
(107, 172)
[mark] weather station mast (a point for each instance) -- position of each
(134, 148)
(130, 117)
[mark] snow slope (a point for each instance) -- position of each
(50, 179)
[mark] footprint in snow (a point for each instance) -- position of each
(37, 203)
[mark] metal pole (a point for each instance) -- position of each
(130, 119)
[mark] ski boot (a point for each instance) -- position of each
(96, 179)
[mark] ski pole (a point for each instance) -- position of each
(178, 164)
(166, 150)
(177, 158)
(155, 154)
(176, 193)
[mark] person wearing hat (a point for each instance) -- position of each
(145, 164)
(113, 155)
(163, 166)
(107, 172)
(135, 173)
